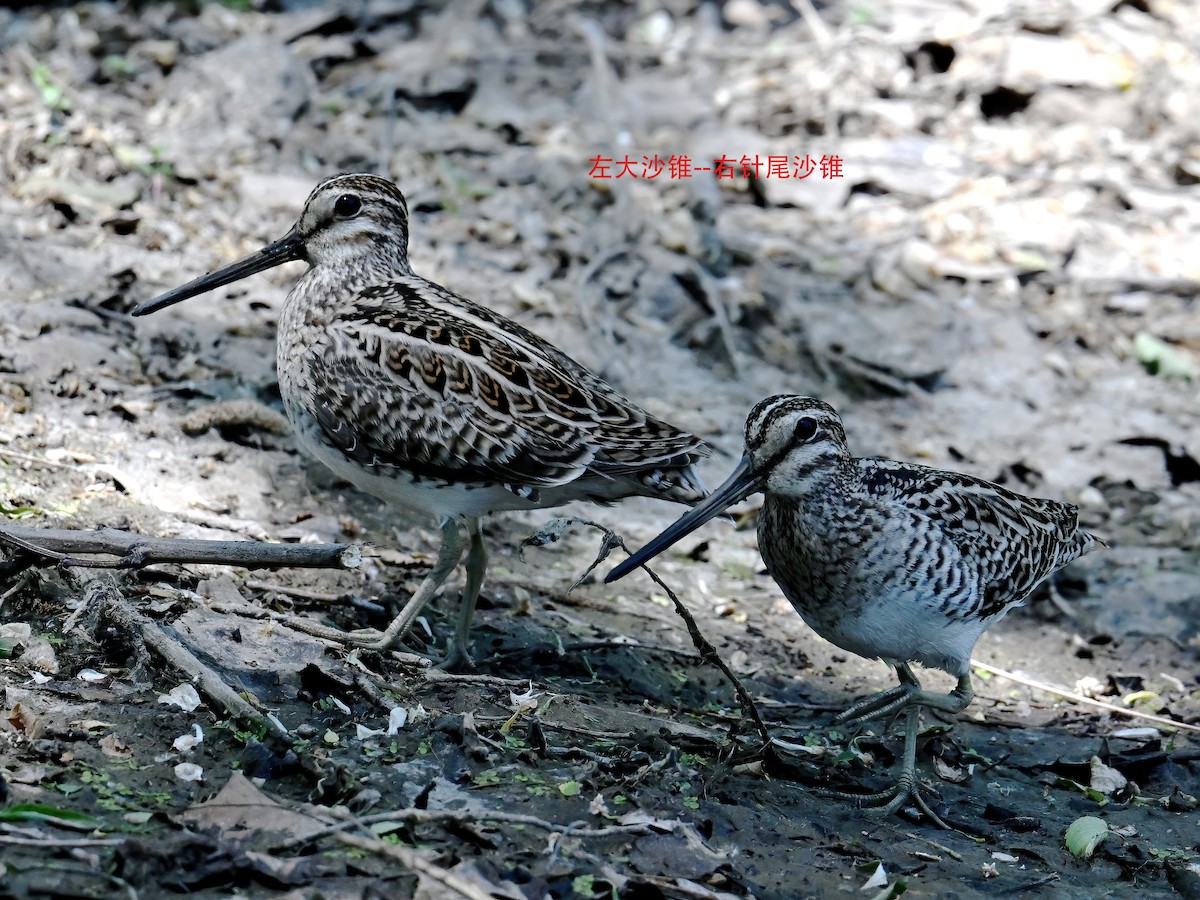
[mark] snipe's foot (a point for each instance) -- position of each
(363, 637)
(906, 789)
(448, 556)
(359, 639)
(458, 659)
(369, 639)
(884, 803)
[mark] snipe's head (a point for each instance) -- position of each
(793, 445)
(353, 221)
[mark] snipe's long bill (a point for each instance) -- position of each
(289, 248)
(886, 559)
(741, 483)
(435, 403)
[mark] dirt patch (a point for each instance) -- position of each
(1002, 281)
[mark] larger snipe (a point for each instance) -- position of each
(435, 403)
(886, 559)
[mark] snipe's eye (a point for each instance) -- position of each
(347, 206)
(806, 429)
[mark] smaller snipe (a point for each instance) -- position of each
(886, 559)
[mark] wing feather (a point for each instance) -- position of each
(1003, 541)
(446, 388)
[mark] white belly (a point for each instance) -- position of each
(428, 496)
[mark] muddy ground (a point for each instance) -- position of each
(1002, 281)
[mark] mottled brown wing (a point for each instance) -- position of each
(448, 389)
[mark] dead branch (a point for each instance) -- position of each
(134, 551)
(414, 816)
(415, 862)
(104, 594)
(1082, 700)
(708, 653)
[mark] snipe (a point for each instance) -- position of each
(435, 403)
(886, 559)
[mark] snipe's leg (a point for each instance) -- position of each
(910, 697)
(459, 655)
(448, 556)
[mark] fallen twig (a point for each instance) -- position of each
(1080, 698)
(35, 460)
(414, 861)
(103, 593)
(708, 653)
(684, 889)
(932, 843)
(414, 816)
(615, 643)
(298, 593)
(19, 585)
(1184, 287)
(816, 26)
(508, 684)
(133, 551)
(60, 843)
